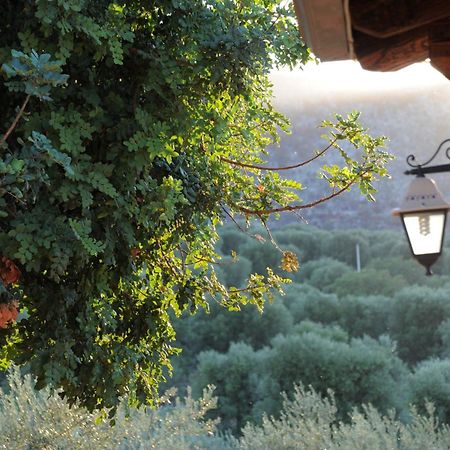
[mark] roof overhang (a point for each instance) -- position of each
(383, 35)
(326, 28)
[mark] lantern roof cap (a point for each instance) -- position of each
(422, 195)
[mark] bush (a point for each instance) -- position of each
(264, 255)
(444, 335)
(430, 381)
(387, 244)
(218, 329)
(249, 382)
(318, 338)
(31, 419)
(257, 329)
(331, 332)
(310, 421)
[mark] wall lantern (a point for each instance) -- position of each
(424, 211)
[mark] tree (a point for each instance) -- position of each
(417, 322)
(368, 281)
(250, 382)
(430, 382)
(110, 193)
(360, 371)
(322, 273)
(235, 376)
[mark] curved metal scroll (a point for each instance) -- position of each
(411, 158)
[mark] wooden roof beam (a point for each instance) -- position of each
(387, 18)
(439, 44)
(392, 53)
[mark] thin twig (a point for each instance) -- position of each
(278, 169)
(297, 214)
(253, 236)
(234, 220)
(17, 198)
(272, 240)
(16, 120)
(183, 259)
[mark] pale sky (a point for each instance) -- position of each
(349, 76)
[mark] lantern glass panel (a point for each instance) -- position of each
(425, 231)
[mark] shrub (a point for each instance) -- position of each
(218, 329)
(264, 255)
(31, 419)
(332, 332)
(444, 335)
(430, 381)
(310, 421)
(249, 382)
(112, 192)
(387, 244)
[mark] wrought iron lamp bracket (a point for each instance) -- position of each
(421, 169)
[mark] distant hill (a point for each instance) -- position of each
(416, 118)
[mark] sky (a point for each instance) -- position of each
(349, 76)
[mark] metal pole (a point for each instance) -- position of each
(358, 259)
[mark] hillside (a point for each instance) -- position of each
(414, 115)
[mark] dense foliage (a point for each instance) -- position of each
(132, 128)
(308, 421)
(30, 419)
(380, 336)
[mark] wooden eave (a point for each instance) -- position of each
(382, 35)
(323, 26)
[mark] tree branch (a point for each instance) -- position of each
(277, 169)
(264, 212)
(16, 120)
(234, 220)
(232, 290)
